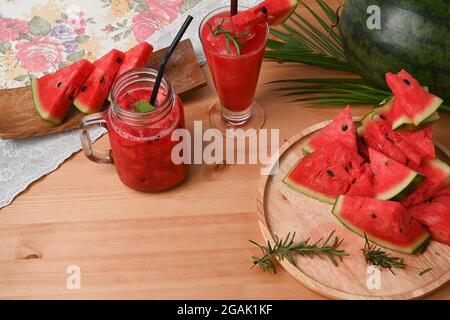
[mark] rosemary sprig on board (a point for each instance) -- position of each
(229, 37)
(285, 248)
(378, 257)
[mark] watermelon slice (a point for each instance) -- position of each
(137, 57)
(417, 103)
(363, 186)
(325, 173)
(53, 94)
(437, 174)
(96, 88)
(384, 222)
(274, 12)
(341, 128)
(392, 180)
(395, 114)
(377, 137)
(434, 214)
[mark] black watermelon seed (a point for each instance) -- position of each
(406, 81)
(344, 127)
(119, 60)
(83, 89)
(382, 116)
(386, 163)
(330, 173)
(59, 84)
(71, 97)
(374, 216)
(102, 79)
(429, 200)
(264, 10)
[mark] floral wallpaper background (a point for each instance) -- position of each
(38, 37)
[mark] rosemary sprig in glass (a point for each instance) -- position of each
(285, 248)
(378, 257)
(229, 37)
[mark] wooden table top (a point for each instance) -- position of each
(188, 243)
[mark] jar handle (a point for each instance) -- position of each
(89, 122)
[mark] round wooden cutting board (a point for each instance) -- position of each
(282, 210)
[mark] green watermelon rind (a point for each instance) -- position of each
(403, 188)
(81, 106)
(443, 167)
(434, 104)
(306, 190)
(307, 149)
(337, 207)
(37, 105)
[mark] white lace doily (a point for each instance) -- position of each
(25, 161)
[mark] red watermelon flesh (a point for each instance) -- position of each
(391, 179)
(443, 192)
(414, 100)
(137, 57)
(434, 214)
(53, 94)
(377, 137)
(273, 12)
(325, 173)
(437, 175)
(341, 128)
(420, 140)
(96, 88)
(384, 222)
(363, 185)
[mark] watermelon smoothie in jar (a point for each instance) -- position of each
(141, 144)
(234, 55)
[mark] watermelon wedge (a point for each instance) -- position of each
(96, 88)
(377, 136)
(274, 12)
(434, 214)
(417, 103)
(341, 128)
(437, 174)
(384, 222)
(137, 57)
(395, 114)
(392, 180)
(325, 173)
(53, 94)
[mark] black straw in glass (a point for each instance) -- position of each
(167, 57)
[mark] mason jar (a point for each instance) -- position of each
(141, 144)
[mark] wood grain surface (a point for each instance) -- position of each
(18, 118)
(188, 243)
(282, 210)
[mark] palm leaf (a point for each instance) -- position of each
(300, 41)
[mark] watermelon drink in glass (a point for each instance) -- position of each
(141, 144)
(234, 55)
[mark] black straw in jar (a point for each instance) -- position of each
(167, 57)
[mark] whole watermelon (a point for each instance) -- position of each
(414, 35)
